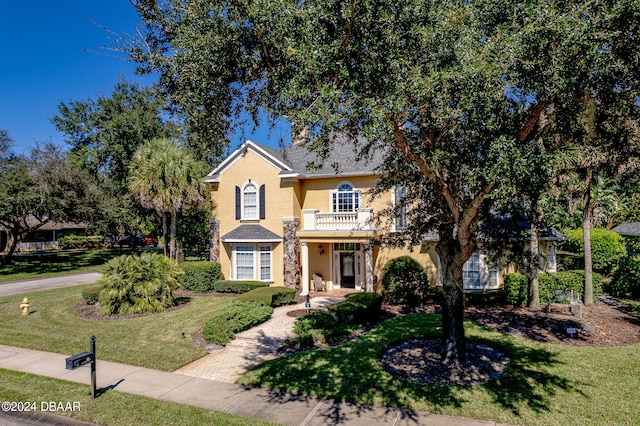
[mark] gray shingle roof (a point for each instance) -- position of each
(250, 233)
(342, 159)
(628, 228)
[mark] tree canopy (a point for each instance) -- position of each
(454, 91)
(40, 187)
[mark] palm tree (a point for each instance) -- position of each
(165, 177)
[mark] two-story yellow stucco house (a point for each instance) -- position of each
(283, 216)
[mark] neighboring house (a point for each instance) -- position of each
(631, 232)
(282, 216)
(46, 237)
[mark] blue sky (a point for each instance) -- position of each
(52, 52)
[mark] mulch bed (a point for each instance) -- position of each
(604, 324)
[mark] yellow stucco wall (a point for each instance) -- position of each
(279, 203)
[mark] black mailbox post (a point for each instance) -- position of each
(84, 358)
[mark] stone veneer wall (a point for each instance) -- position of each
(291, 253)
(214, 238)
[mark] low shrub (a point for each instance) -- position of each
(357, 308)
(405, 282)
(270, 296)
(516, 289)
(485, 298)
(516, 285)
(234, 318)
(626, 281)
(201, 276)
(225, 286)
(317, 329)
(80, 241)
(90, 295)
(133, 284)
(548, 283)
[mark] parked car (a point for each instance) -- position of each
(151, 241)
(125, 241)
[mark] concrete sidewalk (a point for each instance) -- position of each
(28, 286)
(265, 404)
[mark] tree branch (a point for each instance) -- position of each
(443, 189)
(530, 125)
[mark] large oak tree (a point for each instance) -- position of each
(455, 92)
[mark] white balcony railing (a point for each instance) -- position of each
(345, 221)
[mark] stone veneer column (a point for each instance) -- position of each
(214, 240)
(291, 252)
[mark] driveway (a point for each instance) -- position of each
(19, 287)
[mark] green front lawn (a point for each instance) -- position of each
(153, 341)
(111, 408)
(544, 383)
(48, 264)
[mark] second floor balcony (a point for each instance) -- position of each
(314, 220)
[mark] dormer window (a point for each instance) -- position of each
(345, 199)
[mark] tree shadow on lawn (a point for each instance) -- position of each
(352, 373)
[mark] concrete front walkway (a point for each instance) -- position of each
(251, 347)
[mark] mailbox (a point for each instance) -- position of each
(78, 360)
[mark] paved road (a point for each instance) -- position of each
(20, 287)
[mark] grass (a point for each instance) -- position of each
(111, 408)
(153, 341)
(544, 383)
(43, 265)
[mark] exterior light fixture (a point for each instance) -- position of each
(320, 249)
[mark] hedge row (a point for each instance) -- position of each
(237, 286)
(201, 276)
(270, 296)
(357, 308)
(234, 318)
(317, 329)
(78, 241)
(626, 281)
(516, 285)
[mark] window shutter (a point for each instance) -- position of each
(262, 203)
(237, 203)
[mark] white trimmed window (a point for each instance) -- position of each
(253, 262)
(480, 274)
(265, 263)
(345, 199)
(245, 263)
(250, 201)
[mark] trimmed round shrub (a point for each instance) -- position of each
(357, 308)
(234, 318)
(133, 284)
(607, 249)
(405, 282)
(626, 281)
(200, 276)
(270, 296)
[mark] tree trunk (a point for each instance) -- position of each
(532, 264)
(453, 338)
(164, 234)
(10, 248)
(172, 241)
(586, 236)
